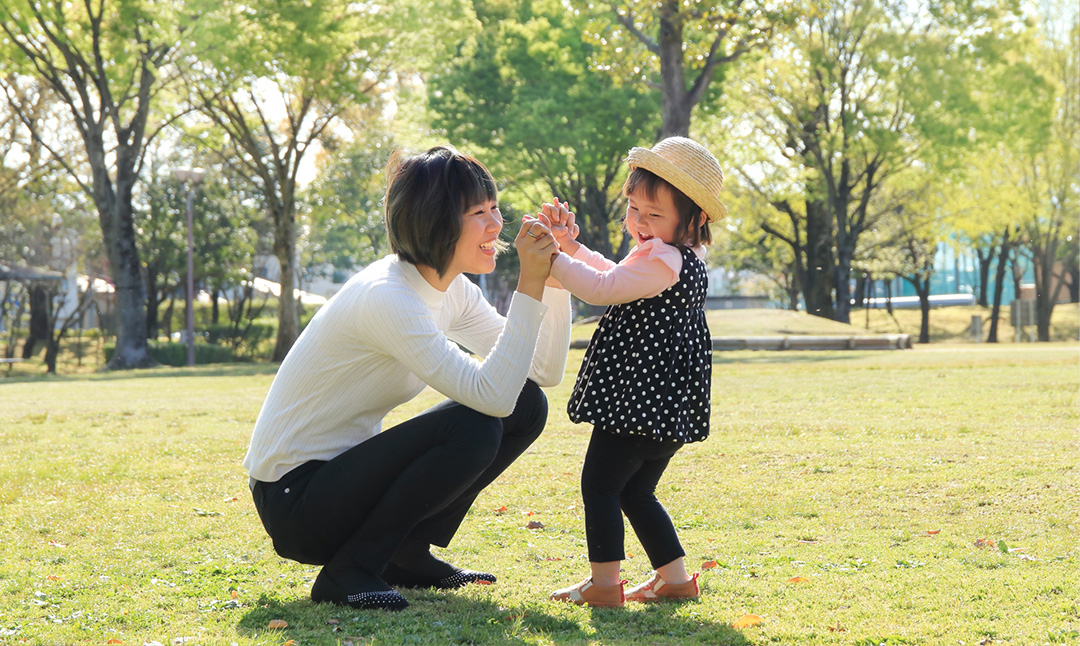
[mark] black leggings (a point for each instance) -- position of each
(417, 479)
(621, 473)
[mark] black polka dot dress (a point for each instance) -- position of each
(648, 369)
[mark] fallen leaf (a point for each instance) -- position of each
(53, 577)
(798, 579)
(1015, 549)
(708, 565)
(502, 510)
(235, 594)
(482, 582)
(529, 513)
(933, 532)
(277, 623)
(629, 555)
(984, 542)
(57, 544)
(534, 524)
(231, 499)
(746, 621)
(291, 642)
(1027, 557)
(114, 641)
(837, 628)
(553, 558)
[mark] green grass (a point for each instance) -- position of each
(126, 519)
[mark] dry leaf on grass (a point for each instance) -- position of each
(933, 532)
(291, 642)
(114, 641)
(275, 624)
(502, 510)
(534, 524)
(708, 565)
(798, 579)
(528, 513)
(747, 621)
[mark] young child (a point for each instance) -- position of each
(644, 383)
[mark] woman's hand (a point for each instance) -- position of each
(560, 220)
(536, 249)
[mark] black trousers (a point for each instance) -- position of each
(417, 479)
(620, 476)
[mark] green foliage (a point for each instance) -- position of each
(523, 88)
(344, 207)
(169, 353)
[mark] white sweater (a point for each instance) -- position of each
(380, 340)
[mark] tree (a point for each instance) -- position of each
(680, 47)
(280, 75)
(523, 89)
(1048, 171)
(111, 64)
(858, 93)
(345, 228)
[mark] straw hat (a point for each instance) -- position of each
(689, 167)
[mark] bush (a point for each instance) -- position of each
(175, 354)
(247, 346)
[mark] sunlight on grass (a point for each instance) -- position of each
(887, 482)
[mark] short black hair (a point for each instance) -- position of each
(689, 233)
(426, 197)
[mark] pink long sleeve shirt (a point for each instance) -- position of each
(646, 271)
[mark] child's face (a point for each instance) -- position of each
(657, 218)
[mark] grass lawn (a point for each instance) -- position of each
(927, 496)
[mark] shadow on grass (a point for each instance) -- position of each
(448, 618)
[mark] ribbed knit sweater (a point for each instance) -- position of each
(385, 336)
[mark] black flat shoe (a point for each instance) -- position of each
(399, 577)
(369, 592)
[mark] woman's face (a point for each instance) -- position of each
(475, 251)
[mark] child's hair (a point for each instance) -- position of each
(693, 229)
(426, 198)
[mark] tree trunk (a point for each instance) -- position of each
(818, 288)
(922, 288)
(132, 350)
(285, 250)
(860, 291)
(39, 318)
(1045, 297)
(676, 98)
(999, 286)
(214, 309)
(984, 273)
(844, 253)
(1074, 284)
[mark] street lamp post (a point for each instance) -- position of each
(191, 178)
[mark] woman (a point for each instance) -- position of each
(331, 486)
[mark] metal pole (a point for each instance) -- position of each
(190, 278)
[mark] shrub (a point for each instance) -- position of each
(175, 354)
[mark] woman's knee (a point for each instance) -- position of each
(479, 437)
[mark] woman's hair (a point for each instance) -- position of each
(426, 197)
(693, 229)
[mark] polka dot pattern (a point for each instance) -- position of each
(648, 369)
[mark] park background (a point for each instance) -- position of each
(877, 154)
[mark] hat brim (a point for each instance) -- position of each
(644, 158)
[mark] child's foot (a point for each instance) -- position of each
(357, 589)
(597, 596)
(426, 571)
(657, 589)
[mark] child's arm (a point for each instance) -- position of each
(648, 270)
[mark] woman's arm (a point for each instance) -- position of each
(648, 270)
(405, 329)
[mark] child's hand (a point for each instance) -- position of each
(561, 221)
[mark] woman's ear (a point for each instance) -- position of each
(702, 219)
